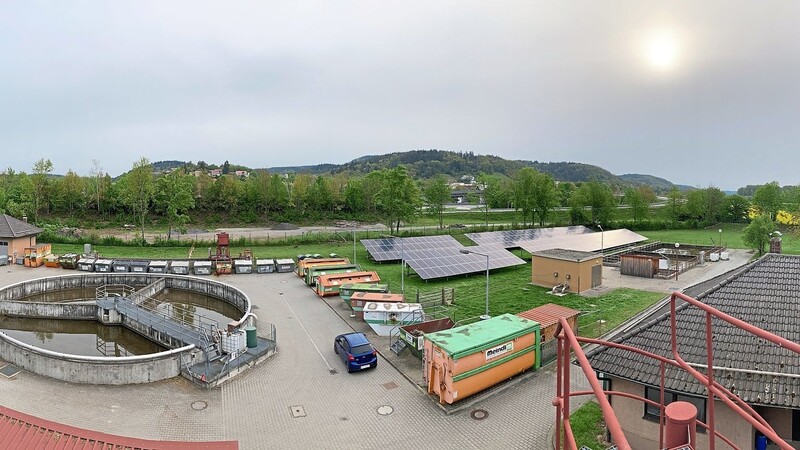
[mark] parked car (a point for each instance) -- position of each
(356, 351)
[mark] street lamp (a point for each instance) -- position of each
(720, 238)
(601, 239)
(466, 252)
(355, 260)
(677, 245)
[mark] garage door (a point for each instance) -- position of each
(3, 253)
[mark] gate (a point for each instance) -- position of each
(445, 297)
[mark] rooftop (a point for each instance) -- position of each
(567, 255)
(11, 227)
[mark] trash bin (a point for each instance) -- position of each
(761, 442)
(252, 340)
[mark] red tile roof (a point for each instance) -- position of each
(23, 431)
(548, 314)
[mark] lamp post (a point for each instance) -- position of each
(601, 239)
(720, 238)
(677, 245)
(466, 252)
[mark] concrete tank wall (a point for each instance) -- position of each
(50, 310)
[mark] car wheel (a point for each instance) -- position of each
(335, 349)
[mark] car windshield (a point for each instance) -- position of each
(361, 349)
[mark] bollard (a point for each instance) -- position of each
(680, 424)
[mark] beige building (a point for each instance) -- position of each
(15, 236)
(572, 270)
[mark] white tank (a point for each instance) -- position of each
(724, 256)
(714, 256)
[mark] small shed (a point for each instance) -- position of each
(157, 267)
(243, 266)
(104, 265)
(15, 236)
(548, 316)
(568, 270)
(202, 267)
(121, 266)
(179, 267)
(139, 266)
(465, 360)
(284, 265)
(265, 265)
(86, 264)
(644, 266)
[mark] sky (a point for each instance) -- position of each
(700, 93)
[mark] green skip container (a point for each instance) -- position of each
(252, 339)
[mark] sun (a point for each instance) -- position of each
(662, 50)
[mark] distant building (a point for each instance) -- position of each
(216, 173)
(16, 235)
(242, 173)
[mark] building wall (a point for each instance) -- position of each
(18, 245)
(580, 273)
(780, 419)
(643, 433)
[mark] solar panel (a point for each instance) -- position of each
(446, 262)
(391, 249)
(511, 238)
(592, 242)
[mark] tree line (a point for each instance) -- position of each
(391, 195)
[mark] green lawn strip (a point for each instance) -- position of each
(510, 290)
(587, 426)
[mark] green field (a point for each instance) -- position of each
(587, 426)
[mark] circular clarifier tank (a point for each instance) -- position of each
(75, 328)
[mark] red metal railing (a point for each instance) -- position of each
(568, 341)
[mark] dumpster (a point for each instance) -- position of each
(465, 360)
(359, 299)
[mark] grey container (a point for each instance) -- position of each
(265, 265)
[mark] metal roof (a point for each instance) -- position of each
(11, 227)
(548, 314)
(767, 295)
(588, 242)
(567, 255)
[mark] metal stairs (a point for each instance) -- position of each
(398, 346)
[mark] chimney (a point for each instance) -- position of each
(775, 244)
(25, 219)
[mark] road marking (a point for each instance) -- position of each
(305, 330)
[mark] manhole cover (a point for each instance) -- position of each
(9, 371)
(199, 405)
(333, 371)
(385, 410)
(479, 414)
(297, 411)
(390, 385)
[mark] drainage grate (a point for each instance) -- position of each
(479, 414)
(297, 411)
(9, 371)
(390, 385)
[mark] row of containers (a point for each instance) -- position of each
(177, 267)
(459, 360)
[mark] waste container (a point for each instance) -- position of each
(252, 340)
(761, 442)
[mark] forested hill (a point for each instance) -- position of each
(429, 163)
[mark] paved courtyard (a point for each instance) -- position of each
(302, 398)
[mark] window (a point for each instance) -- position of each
(654, 394)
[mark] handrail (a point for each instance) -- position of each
(567, 340)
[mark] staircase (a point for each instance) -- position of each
(398, 346)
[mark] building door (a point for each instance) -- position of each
(3, 252)
(597, 275)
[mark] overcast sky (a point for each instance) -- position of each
(698, 92)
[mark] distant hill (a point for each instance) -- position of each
(637, 179)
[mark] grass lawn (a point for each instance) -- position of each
(731, 237)
(509, 288)
(587, 426)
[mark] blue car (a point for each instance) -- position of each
(356, 351)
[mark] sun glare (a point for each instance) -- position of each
(661, 50)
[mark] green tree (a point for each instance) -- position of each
(768, 199)
(640, 207)
(524, 193)
(97, 184)
(675, 201)
(70, 193)
(545, 196)
(226, 193)
(437, 194)
(598, 198)
(320, 195)
(41, 170)
(735, 208)
(757, 234)
(174, 197)
(137, 191)
(399, 198)
(278, 194)
(354, 195)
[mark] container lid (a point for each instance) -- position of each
(158, 263)
(261, 262)
(180, 263)
(285, 261)
(474, 337)
(202, 263)
(391, 307)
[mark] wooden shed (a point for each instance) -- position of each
(571, 270)
(639, 265)
(548, 316)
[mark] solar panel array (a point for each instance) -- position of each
(439, 256)
(391, 249)
(447, 262)
(512, 238)
(592, 242)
